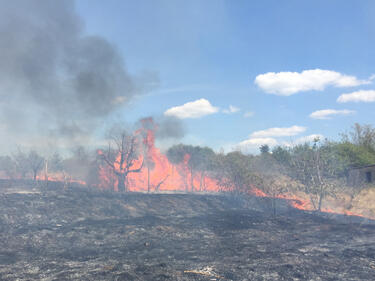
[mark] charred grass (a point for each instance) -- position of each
(82, 234)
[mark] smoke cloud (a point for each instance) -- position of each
(165, 127)
(55, 80)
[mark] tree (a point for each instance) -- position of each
(361, 135)
(315, 170)
(123, 157)
(8, 166)
(205, 163)
(55, 163)
(264, 149)
(193, 155)
(347, 155)
(20, 162)
(35, 163)
(177, 155)
(234, 174)
(147, 130)
(31, 162)
(196, 159)
(281, 155)
(150, 165)
(184, 155)
(271, 177)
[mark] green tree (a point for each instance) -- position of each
(281, 155)
(176, 155)
(346, 155)
(264, 149)
(205, 163)
(361, 135)
(315, 170)
(198, 159)
(234, 174)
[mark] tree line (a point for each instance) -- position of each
(318, 168)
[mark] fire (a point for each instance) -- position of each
(293, 200)
(59, 177)
(158, 174)
(301, 204)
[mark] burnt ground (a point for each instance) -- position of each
(80, 234)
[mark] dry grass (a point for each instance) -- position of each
(364, 202)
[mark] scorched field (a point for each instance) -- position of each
(80, 234)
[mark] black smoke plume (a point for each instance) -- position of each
(56, 82)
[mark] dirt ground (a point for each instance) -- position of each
(80, 234)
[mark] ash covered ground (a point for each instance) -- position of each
(81, 234)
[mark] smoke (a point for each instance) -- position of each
(55, 81)
(170, 127)
(165, 127)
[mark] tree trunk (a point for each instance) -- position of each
(113, 180)
(201, 181)
(46, 173)
(148, 179)
(320, 202)
(35, 174)
(192, 179)
(121, 183)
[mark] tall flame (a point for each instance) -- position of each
(159, 174)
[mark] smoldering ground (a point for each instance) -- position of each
(85, 234)
(57, 82)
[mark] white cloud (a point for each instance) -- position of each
(194, 109)
(302, 140)
(289, 83)
(279, 132)
(258, 141)
(358, 96)
(253, 144)
(309, 138)
(231, 109)
(328, 113)
(248, 114)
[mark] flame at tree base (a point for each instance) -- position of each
(305, 204)
(164, 176)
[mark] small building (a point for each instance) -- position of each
(361, 175)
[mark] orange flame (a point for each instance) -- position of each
(159, 174)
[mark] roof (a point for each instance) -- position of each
(362, 167)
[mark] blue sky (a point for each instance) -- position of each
(211, 52)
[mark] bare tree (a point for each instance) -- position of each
(271, 177)
(122, 158)
(20, 162)
(8, 167)
(147, 131)
(35, 163)
(315, 171)
(31, 162)
(362, 135)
